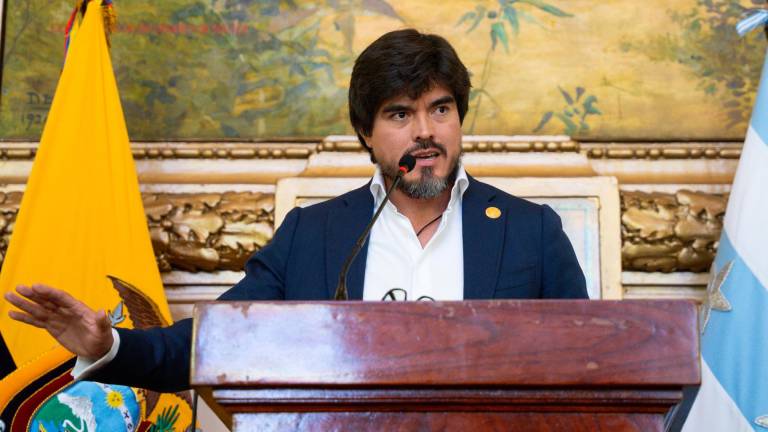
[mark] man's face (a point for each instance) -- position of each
(429, 129)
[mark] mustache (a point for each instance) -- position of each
(425, 144)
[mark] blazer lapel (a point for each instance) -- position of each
(344, 226)
(483, 238)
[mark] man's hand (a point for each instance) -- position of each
(74, 325)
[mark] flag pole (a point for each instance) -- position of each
(3, 14)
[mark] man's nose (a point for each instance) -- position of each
(423, 128)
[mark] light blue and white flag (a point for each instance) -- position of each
(734, 319)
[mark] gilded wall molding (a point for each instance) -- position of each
(9, 207)
(17, 151)
(208, 231)
(564, 144)
(471, 144)
(215, 150)
(189, 232)
(670, 232)
(474, 143)
(662, 151)
(20, 151)
(667, 232)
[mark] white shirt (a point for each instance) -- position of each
(396, 258)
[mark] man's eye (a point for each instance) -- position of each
(442, 110)
(399, 115)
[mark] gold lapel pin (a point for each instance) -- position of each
(493, 212)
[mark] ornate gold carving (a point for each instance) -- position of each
(521, 146)
(613, 150)
(9, 207)
(188, 150)
(208, 231)
(470, 144)
(341, 145)
(18, 153)
(705, 150)
(670, 232)
(503, 144)
(219, 231)
(223, 150)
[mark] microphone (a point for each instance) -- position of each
(406, 165)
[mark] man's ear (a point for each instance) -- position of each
(362, 137)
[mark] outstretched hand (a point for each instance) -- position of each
(71, 322)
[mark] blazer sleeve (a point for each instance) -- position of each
(265, 271)
(561, 274)
(158, 358)
(155, 359)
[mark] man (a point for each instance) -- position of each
(443, 236)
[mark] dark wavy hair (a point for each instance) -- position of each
(403, 62)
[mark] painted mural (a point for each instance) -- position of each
(248, 69)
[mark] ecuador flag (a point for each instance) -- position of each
(82, 228)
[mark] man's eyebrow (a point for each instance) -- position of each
(442, 101)
(396, 107)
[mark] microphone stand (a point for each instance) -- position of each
(341, 288)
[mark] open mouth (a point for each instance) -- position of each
(426, 154)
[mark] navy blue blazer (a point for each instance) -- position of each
(523, 254)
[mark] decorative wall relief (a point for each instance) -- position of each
(208, 232)
(219, 231)
(192, 232)
(9, 207)
(216, 70)
(670, 232)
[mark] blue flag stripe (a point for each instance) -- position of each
(758, 18)
(735, 343)
(759, 120)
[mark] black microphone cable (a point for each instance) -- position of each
(405, 165)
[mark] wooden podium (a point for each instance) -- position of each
(451, 366)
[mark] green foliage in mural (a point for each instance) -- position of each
(574, 113)
(726, 65)
(264, 69)
(27, 92)
(198, 69)
(506, 12)
(499, 16)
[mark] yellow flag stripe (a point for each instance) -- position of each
(17, 380)
(81, 216)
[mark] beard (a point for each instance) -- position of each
(428, 185)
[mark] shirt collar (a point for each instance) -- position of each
(379, 190)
